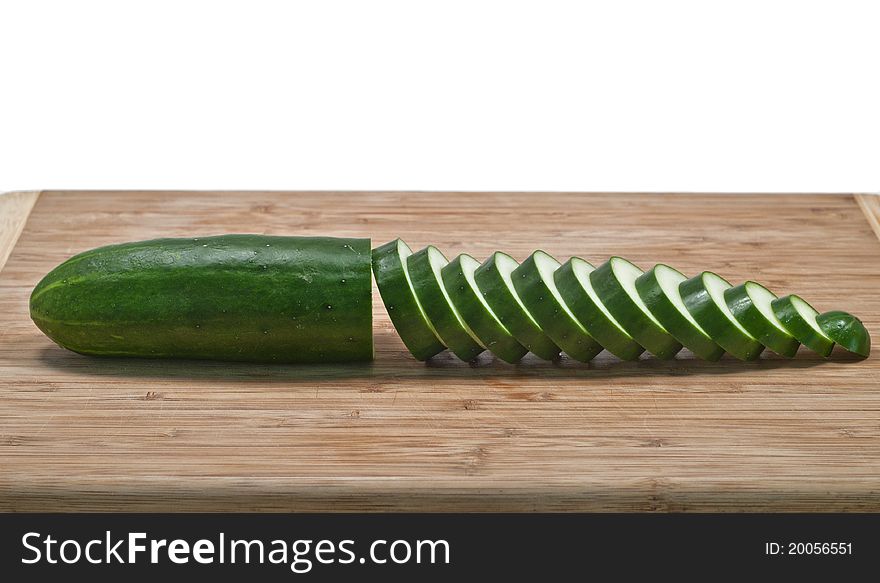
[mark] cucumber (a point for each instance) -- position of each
(573, 282)
(425, 269)
(847, 331)
(392, 279)
(458, 277)
(308, 299)
(231, 297)
(750, 303)
(703, 296)
(494, 280)
(799, 318)
(658, 288)
(615, 285)
(534, 283)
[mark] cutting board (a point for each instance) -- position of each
(79, 433)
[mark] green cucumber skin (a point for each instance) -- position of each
(847, 331)
(675, 323)
(708, 315)
(592, 317)
(795, 324)
(655, 339)
(511, 313)
(232, 297)
(747, 313)
(401, 304)
(565, 332)
(438, 309)
(490, 331)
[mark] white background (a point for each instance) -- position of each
(624, 95)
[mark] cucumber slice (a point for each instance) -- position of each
(573, 282)
(458, 278)
(401, 303)
(847, 331)
(658, 289)
(425, 268)
(615, 284)
(750, 303)
(534, 283)
(703, 296)
(799, 318)
(494, 280)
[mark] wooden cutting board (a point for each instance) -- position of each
(79, 433)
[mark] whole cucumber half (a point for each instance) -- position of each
(230, 297)
(495, 282)
(536, 287)
(615, 285)
(425, 271)
(799, 318)
(703, 296)
(658, 288)
(458, 277)
(392, 279)
(847, 331)
(751, 305)
(573, 282)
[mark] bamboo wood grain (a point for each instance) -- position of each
(78, 433)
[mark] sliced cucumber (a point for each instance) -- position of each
(615, 285)
(392, 279)
(799, 318)
(425, 268)
(534, 283)
(750, 303)
(573, 282)
(494, 280)
(703, 296)
(847, 331)
(658, 289)
(458, 277)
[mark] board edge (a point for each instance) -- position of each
(870, 205)
(15, 208)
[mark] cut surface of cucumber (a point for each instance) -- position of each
(658, 288)
(495, 283)
(395, 288)
(799, 318)
(750, 303)
(703, 296)
(847, 331)
(535, 285)
(425, 271)
(458, 277)
(615, 285)
(573, 282)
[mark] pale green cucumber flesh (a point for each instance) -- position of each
(535, 285)
(494, 280)
(614, 282)
(401, 303)
(799, 318)
(703, 296)
(659, 290)
(425, 268)
(573, 282)
(751, 305)
(847, 331)
(458, 277)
